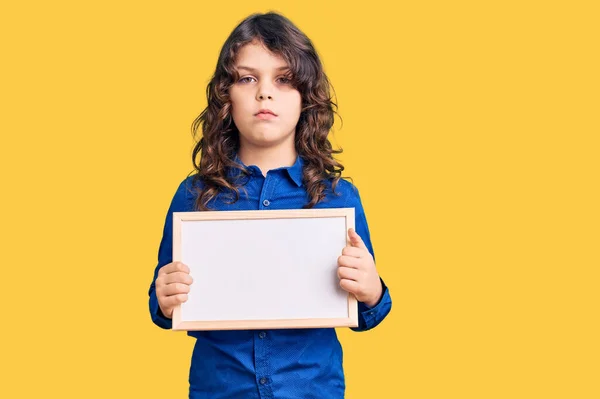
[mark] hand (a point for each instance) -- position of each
(357, 271)
(172, 286)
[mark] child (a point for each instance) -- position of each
(264, 146)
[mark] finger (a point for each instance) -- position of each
(355, 239)
(175, 289)
(348, 273)
(174, 267)
(349, 286)
(353, 251)
(178, 277)
(174, 300)
(349, 261)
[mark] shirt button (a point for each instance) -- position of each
(266, 202)
(263, 381)
(262, 334)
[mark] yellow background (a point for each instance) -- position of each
(471, 129)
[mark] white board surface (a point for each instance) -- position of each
(257, 269)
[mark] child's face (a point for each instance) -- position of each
(263, 85)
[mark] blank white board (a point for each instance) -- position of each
(263, 269)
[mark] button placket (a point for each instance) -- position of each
(268, 190)
(262, 357)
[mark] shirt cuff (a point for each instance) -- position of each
(371, 317)
(157, 317)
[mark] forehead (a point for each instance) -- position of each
(257, 57)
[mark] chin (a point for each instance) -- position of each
(265, 138)
(266, 143)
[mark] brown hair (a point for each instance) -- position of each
(220, 137)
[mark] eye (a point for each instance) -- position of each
(244, 80)
(285, 80)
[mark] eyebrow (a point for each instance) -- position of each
(256, 70)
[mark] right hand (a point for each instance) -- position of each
(172, 286)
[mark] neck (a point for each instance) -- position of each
(267, 158)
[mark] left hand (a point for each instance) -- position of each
(357, 272)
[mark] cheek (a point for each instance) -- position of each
(294, 102)
(235, 96)
(237, 106)
(298, 106)
(234, 109)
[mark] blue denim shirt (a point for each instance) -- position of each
(278, 363)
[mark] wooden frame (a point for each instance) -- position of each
(303, 295)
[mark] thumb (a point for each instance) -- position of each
(355, 239)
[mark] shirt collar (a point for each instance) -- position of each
(295, 172)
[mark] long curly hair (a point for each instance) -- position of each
(220, 137)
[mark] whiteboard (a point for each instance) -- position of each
(263, 269)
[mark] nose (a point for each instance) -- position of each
(264, 92)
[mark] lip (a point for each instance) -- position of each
(265, 116)
(265, 111)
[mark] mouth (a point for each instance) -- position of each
(265, 114)
(266, 111)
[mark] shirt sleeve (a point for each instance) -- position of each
(368, 318)
(182, 202)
